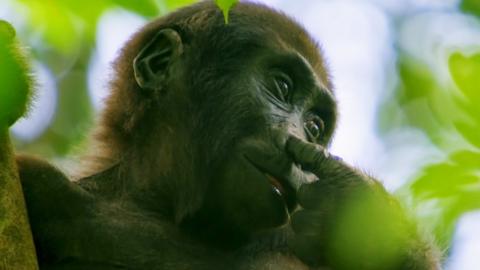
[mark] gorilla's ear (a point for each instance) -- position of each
(152, 63)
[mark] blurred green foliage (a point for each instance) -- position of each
(423, 102)
(14, 81)
(450, 117)
(470, 6)
(75, 19)
(466, 74)
(354, 232)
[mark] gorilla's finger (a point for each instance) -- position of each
(297, 177)
(306, 154)
(307, 223)
(316, 195)
(307, 250)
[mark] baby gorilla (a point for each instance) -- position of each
(210, 154)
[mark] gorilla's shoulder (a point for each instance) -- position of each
(48, 191)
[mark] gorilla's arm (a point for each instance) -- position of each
(73, 229)
(349, 221)
(54, 206)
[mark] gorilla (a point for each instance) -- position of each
(211, 154)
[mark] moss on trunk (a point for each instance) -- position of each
(16, 245)
(17, 250)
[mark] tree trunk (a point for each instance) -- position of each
(16, 245)
(17, 250)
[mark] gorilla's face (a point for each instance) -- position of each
(235, 103)
(270, 94)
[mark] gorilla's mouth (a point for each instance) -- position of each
(276, 184)
(279, 185)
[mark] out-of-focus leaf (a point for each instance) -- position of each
(225, 6)
(174, 4)
(471, 132)
(439, 111)
(457, 175)
(470, 6)
(465, 71)
(468, 159)
(422, 102)
(447, 190)
(56, 23)
(65, 24)
(471, 110)
(466, 74)
(443, 180)
(355, 231)
(7, 33)
(147, 8)
(15, 83)
(412, 94)
(87, 11)
(417, 79)
(75, 114)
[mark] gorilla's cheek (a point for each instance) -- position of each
(249, 199)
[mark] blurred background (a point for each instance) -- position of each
(407, 77)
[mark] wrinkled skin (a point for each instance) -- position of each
(213, 157)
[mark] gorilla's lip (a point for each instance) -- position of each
(278, 182)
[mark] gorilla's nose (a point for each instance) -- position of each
(296, 129)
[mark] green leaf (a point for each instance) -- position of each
(417, 79)
(445, 191)
(467, 159)
(15, 81)
(470, 132)
(422, 102)
(146, 8)
(64, 24)
(174, 4)
(225, 6)
(465, 71)
(7, 32)
(457, 176)
(470, 6)
(441, 112)
(55, 23)
(443, 180)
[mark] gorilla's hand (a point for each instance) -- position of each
(346, 220)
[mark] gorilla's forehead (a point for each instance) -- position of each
(251, 25)
(265, 27)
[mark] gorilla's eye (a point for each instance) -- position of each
(314, 127)
(283, 85)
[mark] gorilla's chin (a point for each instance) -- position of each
(253, 203)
